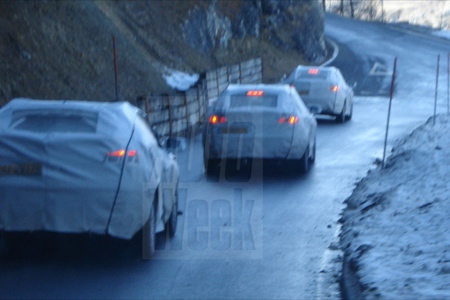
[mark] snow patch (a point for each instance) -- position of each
(395, 231)
(179, 80)
(442, 33)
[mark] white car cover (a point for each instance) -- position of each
(61, 178)
(255, 131)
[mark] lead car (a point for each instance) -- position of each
(263, 121)
(85, 167)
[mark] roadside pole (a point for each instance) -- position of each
(389, 111)
(436, 91)
(448, 84)
(115, 66)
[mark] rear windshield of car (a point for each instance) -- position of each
(54, 121)
(312, 74)
(243, 100)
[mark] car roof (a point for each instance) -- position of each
(108, 110)
(320, 68)
(93, 106)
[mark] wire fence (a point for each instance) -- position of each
(179, 113)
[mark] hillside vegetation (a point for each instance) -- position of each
(63, 49)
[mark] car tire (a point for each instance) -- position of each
(211, 166)
(171, 225)
(312, 158)
(349, 117)
(149, 234)
(303, 162)
(341, 117)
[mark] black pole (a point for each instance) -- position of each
(115, 66)
(448, 84)
(389, 111)
(436, 90)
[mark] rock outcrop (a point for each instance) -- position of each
(63, 49)
(289, 25)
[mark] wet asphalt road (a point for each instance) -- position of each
(259, 235)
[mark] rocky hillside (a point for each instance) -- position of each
(63, 49)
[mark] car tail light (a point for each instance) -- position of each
(293, 120)
(255, 93)
(121, 153)
(289, 120)
(334, 88)
(132, 153)
(214, 119)
(313, 71)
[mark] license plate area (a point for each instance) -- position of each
(26, 169)
(234, 130)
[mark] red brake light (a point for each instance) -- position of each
(290, 120)
(255, 93)
(216, 119)
(293, 120)
(118, 153)
(213, 119)
(121, 153)
(334, 88)
(313, 71)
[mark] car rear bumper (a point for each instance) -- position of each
(236, 147)
(59, 210)
(73, 210)
(325, 105)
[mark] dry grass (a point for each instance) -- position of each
(63, 49)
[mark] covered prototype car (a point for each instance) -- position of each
(260, 121)
(325, 90)
(77, 167)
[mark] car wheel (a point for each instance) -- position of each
(171, 225)
(312, 158)
(211, 166)
(303, 163)
(149, 234)
(341, 117)
(349, 117)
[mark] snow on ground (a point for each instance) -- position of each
(396, 227)
(432, 13)
(442, 33)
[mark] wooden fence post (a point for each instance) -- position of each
(240, 73)
(187, 110)
(146, 105)
(170, 117)
(199, 100)
(217, 82)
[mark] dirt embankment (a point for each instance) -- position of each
(63, 49)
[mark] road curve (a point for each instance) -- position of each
(270, 235)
